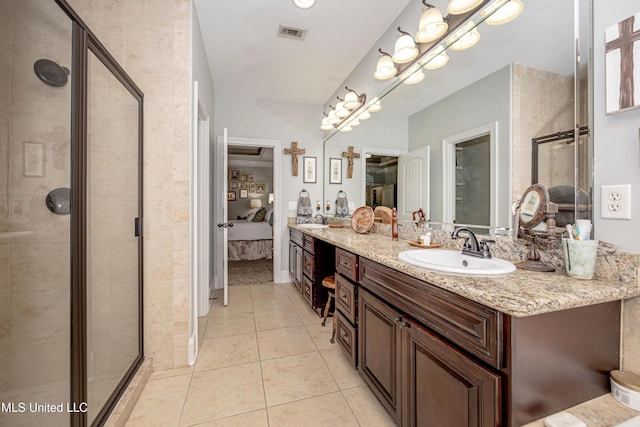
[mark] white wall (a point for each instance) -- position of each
(616, 140)
(200, 73)
(264, 119)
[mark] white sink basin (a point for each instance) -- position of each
(455, 262)
(313, 226)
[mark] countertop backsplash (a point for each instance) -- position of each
(610, 265)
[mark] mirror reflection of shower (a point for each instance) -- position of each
(382, 180)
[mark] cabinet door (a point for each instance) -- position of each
(443, 387)
(299, 267)
(379, 350)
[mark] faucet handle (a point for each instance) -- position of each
(484, 247)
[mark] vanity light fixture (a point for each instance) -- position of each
(352, 100)
(374, 106)
(432, 25)
(385, 67)
(333, 118)
(458, 7)
(470, 39)
(437, 61)
(406, 50)
(325, 123)
(341, 110)
(415, 77)
(506, 13)
(304, 4)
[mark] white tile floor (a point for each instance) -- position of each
(265, 360)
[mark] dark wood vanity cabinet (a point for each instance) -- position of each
(434, 358)
(310, 261)
(346, 300)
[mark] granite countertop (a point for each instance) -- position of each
(522, 293)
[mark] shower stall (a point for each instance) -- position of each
(70, 220)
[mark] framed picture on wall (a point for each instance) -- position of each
(231, 196)
(260, 187)
(244, 193)
(309, 168)
(252, 187)
(233, 184)
(243, 177)
(234, 174)
(335, 171)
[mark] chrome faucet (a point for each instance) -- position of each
(471, 246)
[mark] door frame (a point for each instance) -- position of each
(449, 172)
(279, 225)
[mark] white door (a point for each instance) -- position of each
(413, 183)
(222, 254)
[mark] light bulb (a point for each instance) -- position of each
(470, 39)
(431, 26)
(507, 13)
(385, 68)
(406, 49)
(457, 7)
(437, 61)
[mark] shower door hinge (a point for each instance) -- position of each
(138, 227)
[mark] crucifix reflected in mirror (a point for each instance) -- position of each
(350, 155)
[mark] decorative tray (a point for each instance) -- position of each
(362, 219)
(420, 245)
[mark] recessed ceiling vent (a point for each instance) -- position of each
(291, 32)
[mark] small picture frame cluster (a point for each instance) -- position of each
(241, 184)
(309, 170)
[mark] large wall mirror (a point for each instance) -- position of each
(463, 136)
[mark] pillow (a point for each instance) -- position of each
(250, 216)
(242, 217)
(271, 219)
(259, 217)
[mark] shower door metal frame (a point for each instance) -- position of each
(84, 41)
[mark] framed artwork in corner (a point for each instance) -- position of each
(335, 171)
(260, 187)
(244, 193)
(234, 174)
(309, 168)
(231, 196)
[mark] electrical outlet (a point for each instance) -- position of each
(615, 201)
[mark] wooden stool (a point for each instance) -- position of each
(330, 283)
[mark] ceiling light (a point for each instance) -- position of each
(304, 4)
(406, 49)
(470, 39)
(507, 13)
(431, 26)
(374, 106)
(437, 61)
(458, 7)
(385, 67)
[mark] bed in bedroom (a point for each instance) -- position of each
(250, 240)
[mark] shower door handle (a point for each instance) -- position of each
(137, 227)
(225, 225)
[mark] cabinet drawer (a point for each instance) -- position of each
(309, 264)
(347, 264)
(347, 336)
(346, 298)
(295, 236)
(471, 325)
(307, 290)
(308, 243)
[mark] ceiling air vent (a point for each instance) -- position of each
(291, 32)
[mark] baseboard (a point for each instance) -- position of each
(281, 277)
(192, 351)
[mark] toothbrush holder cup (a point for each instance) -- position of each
(580, 257)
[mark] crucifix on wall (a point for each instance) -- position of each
(622, 68)
(350, 155)
(295, 152)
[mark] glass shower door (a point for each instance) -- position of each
(113, 250)
(35, 162)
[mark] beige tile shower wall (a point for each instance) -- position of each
(542, 104)
(150, 39)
